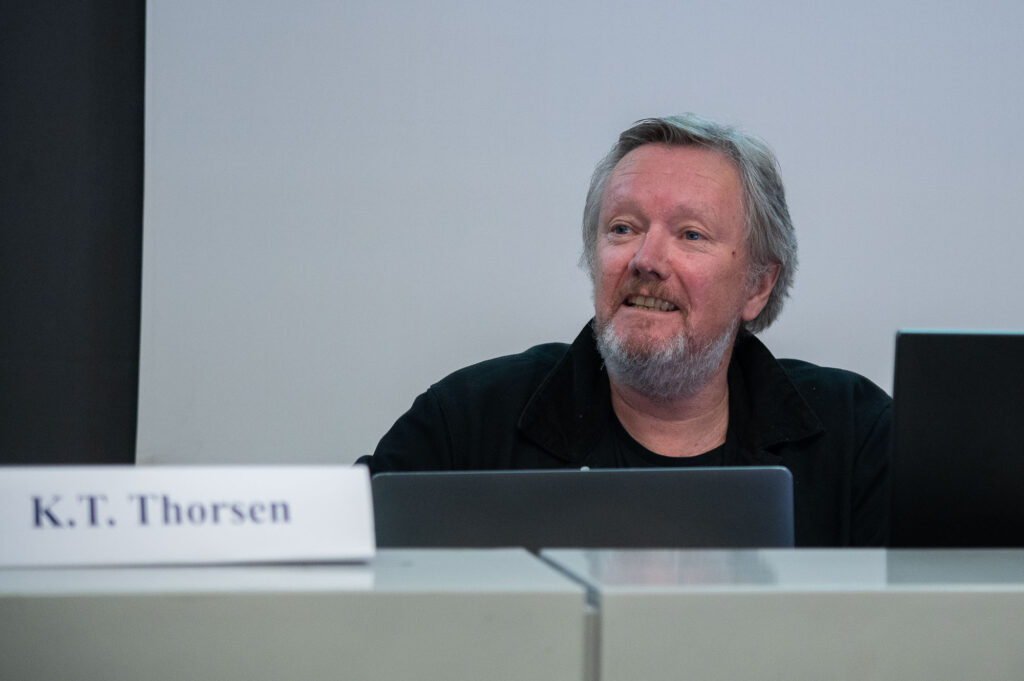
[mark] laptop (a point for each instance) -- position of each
(958, 440)
(741, 507)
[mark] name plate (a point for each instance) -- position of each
(129, 515)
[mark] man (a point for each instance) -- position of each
(689, 244)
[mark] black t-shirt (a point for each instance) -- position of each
(631, 454)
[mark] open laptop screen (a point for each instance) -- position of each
(743, 507)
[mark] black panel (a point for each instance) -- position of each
(71, 131)
(958, 456)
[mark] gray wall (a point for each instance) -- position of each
(345, 201)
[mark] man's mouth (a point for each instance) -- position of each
(648, 303)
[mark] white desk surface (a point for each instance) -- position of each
(491, 614)
(805, 614)
(392, 570)
(664, 571)
(503, 614)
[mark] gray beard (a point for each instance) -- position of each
(680, 368)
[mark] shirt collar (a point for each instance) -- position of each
(568, 412)
(571, 408)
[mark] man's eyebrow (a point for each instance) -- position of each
(687, 212)
(700, 213)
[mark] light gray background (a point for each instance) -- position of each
(346, 201)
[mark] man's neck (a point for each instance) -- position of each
(681, 426)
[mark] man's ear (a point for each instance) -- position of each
(760, 290)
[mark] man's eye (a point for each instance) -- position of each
(691, 235)
(620, 229)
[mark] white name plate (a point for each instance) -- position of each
(128, 515)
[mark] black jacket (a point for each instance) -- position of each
(549, 407)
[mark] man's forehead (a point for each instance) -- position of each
(676, 159)
(697, 177)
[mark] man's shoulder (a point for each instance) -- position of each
(467, 420)
(819, 383)
(759, 364)
(801, 371)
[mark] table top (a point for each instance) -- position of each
(612, 571)
(391, 570)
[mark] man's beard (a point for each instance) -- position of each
(678, 367)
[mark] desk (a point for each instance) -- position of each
(477, 615)
(805, 614)
(504, 614)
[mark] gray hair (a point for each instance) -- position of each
(770, 235)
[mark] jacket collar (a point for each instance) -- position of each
(766, 410)
(569, 412)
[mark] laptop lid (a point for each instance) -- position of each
(742, 507)
(958, 440)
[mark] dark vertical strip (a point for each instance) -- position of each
(71, 168)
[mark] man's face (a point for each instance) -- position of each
(671, 250)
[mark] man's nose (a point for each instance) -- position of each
(649, 259)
